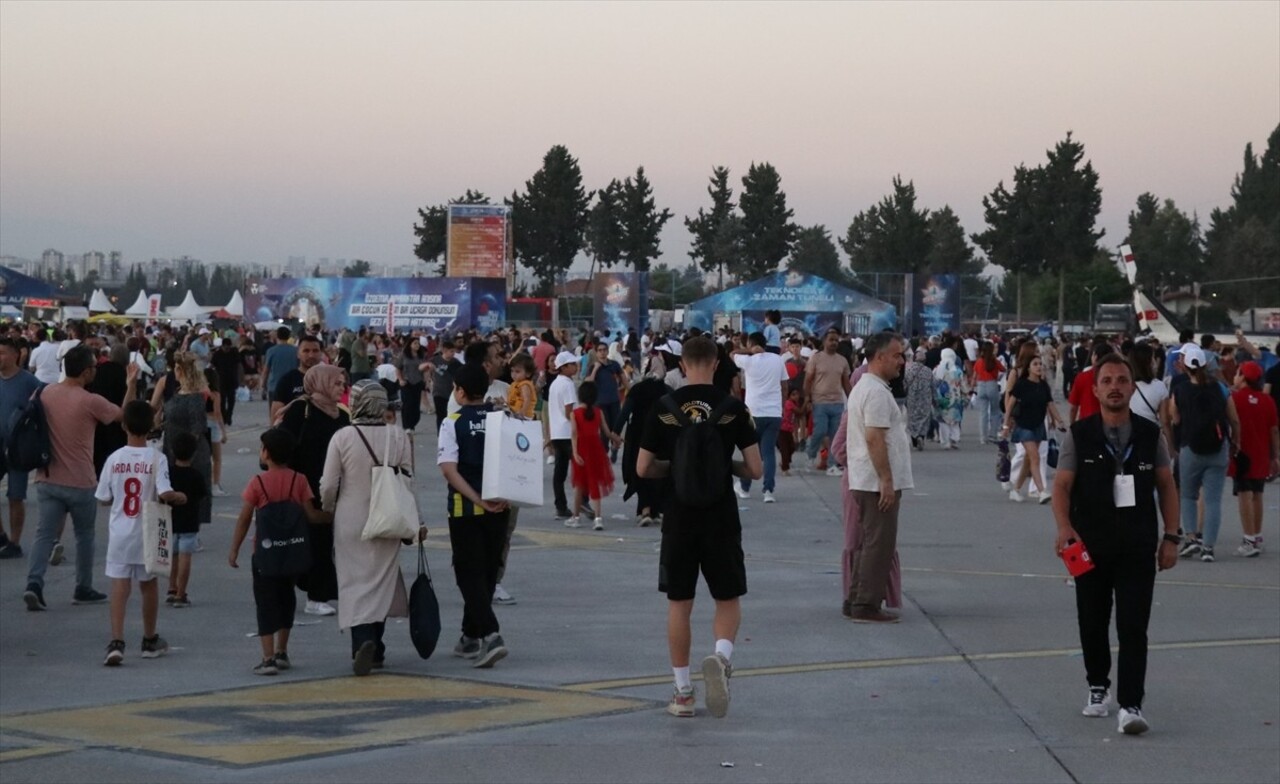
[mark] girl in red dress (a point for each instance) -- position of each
(592, 474)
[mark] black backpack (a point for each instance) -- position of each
(1204, 418)
(700, 464)
(281, 538)
(29, 446)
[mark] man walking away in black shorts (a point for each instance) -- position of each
(704, 536)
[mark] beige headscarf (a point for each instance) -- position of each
(318, 384)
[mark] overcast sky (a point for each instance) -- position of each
(254, 131)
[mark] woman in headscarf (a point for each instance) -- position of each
(919, 383)
(312, 420)
(951, 396)
(370, 586)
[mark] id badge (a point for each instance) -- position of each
(1123, 491)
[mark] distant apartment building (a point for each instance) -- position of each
(52, 264)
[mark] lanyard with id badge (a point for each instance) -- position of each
(1122, 489)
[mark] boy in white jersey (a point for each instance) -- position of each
(131, 476)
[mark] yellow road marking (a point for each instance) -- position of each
(909, 661)
(286, 721)
(31, 752)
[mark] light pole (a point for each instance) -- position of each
(1090, 289)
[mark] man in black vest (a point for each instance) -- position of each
(1111, 468)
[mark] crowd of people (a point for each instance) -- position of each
(143, 413)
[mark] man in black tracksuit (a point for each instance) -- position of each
(1111, 467)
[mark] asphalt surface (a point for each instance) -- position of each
(982, 680)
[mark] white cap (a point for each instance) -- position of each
(203, 331)
(673, 347)
(806, 352)
(1192, 355)
(565, 358)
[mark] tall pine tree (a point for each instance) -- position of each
(767, 229)
(715, 233)
(550, 218)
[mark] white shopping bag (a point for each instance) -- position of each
(512, 460)
(157, 538)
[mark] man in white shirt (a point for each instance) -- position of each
(971, 349)
(561, 399)
(43, 361)
(878, 454)
(766, 382)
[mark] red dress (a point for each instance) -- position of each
(595, 476)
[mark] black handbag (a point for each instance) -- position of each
(424, 610)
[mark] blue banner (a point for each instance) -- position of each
(432, 304)
(808, 303)
(621, 302)
(936, 304)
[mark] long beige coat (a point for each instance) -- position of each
(370, 586)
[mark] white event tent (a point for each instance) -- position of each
(99, 303)
(140, 305)
(189, 310)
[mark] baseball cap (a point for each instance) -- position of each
(1251, 371)
(203, 331)
(1192, 355)
(565, 358)
(673, 348)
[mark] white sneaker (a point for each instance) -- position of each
(1132, 722)
(768, 498)
(500, 596)
(218, 492)
(598, 525)
(551, 459)
(318, 608)
(1247, 550)
(737, 488)
(833, 471)
(1046, 497)
(573, 522)
(1006, 486)
(1099, 704)
(1014, 495)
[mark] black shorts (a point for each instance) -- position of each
(715, 550)
(275, 601)
(1239, 486)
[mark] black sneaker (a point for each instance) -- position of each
(282, 661)
(34, 597)
(563, 514)
(154, 647)
(115, 654)
(492, 651)
(171, 597)
(88, 596)
(266, 667)
(10, 550)
(467, 648)
(362, 662)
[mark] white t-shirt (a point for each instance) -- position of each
(44, 362)
(387, 372)
(871, 404)
(563, 393)
(971, 349)
(646, 343)
(1147, 398)
(764, 374)
(497, 389)
(127, 481)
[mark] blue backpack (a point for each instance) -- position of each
(29, 447)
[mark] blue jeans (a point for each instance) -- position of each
(989, 417)
(826, 418)
(767, 429)
(1196, 472)
(57, 501)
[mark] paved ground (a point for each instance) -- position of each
(981, 682)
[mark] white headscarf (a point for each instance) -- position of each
(947, 366)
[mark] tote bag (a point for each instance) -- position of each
(393, 511)
(513, 462)
(424, 610)
(157, 531)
